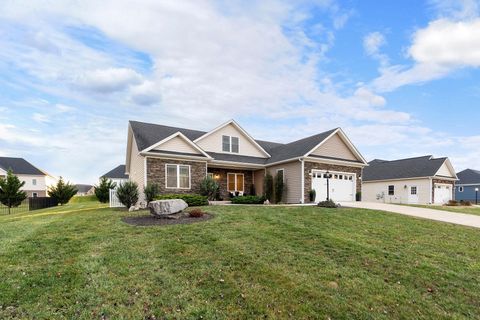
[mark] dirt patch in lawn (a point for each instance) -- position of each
(150, 220)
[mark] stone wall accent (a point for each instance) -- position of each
(442, 181)
(220, 176)
(331, 167)
(156, 174)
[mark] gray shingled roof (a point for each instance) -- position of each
(147, 134)
(83, 188)
(469, 176)
(117, 173)
(425, 166)
(19, 166)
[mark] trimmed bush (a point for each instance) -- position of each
(312, 194)
(209, 188)
(465, 203)
(193, 200)
(279, 186)
(150, 191)
(268, 186)
(452, 203)
(248, 200)
(62, 191)
(102, 191)
(327, 204)
(127, 193)
(196, 213)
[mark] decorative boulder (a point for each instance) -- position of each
(164, 208)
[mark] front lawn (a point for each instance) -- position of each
(81, 262)
(460, 209)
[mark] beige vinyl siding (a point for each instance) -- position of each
(137, 167)
(177, 144)
(213, 142)
(293, 179)
(370, 190)
(444, 171)
(258, 177)
(336, 148)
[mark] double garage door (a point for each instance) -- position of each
(341, 186)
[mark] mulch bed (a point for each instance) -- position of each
(150, 220)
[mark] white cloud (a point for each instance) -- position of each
(108, 80)
(456, 9)
(42, 118)
(372, 42)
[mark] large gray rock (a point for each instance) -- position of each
(164, 208)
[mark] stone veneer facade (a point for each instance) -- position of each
(156, 174)
(220, 176)
(443, 181)
(331, 167)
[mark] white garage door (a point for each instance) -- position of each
(442, 193)
(341, 185)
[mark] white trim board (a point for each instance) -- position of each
(181, 135)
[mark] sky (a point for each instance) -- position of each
(400, 77)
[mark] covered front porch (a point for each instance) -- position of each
(237, 181)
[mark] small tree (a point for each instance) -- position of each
(151, 190)
(62, 191)
(209, 188)
(279, 186)
(102, 191)
(127, 193)
(10, 193)
(268, 186)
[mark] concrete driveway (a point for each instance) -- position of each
(432, 214)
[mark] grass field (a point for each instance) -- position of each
(82, 262)
(460, 209)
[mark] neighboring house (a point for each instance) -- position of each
(421, 180)
(179, 159)
(469, 180)
(84, 190)
(117, 175)
(37, 181)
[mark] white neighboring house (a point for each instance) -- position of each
(84, 190)
(420, 180)
(37, 181)
(117, 175)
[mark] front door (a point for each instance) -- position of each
(413, 195)
(235, 183)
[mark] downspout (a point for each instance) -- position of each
(302, 190)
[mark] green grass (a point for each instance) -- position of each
(81, 199)
(82, 262)
(460, 209)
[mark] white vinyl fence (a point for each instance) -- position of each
(114, 202)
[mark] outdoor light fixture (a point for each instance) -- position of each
(476, 195)
(328, 175)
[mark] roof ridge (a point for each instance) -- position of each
(162, 125)
(396, 160)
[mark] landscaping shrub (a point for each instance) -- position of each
(193, 200)
(465, 203)
(151, 191)
(452, 203)
(358, 196)
(102, 191)
(209, 188)
(196, 213)
(312, 194)
(268, 187)
(127, 193)
(62, 191)
(279, 186)
(248, 200)
(253, 192)
(327, 204)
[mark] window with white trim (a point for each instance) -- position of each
(413, 190)
(177, 176)
(230, 144)
(34, 182)
(391, 190)
(460, 189)
(235, 182)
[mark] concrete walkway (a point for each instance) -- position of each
(432, 214)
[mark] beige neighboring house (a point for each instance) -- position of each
(85, 190)
(178, 159)
(420, 180)
(37, 181)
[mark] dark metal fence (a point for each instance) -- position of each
(30, 204)
(23, 207)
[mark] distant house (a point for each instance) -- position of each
(84, 189)
(117, 174)
(37, 181)
(469, 180)
(420, 180)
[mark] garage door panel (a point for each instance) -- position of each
(341, 186)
